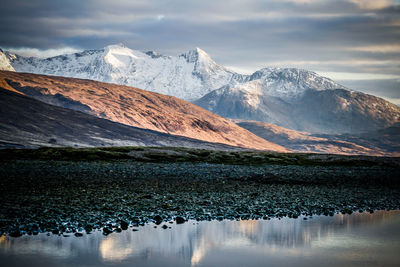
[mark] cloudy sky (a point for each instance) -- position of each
(355, 42)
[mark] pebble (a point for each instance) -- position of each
(71, 197)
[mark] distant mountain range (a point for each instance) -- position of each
(38, 110)
(296, 99)
(129, 106)
(333, 111)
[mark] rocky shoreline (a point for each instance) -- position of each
(73, 197)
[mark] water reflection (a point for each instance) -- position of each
(367, 239)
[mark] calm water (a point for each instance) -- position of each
(346, 240)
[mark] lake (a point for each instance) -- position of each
(358, 239)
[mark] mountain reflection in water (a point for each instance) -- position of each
(360, 238)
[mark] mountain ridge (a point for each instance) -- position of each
(189, 76)
(135, 107)
(292, 98)
(57, 126)
(381, 143)
(333, 111)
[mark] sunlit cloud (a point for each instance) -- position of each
(42, 53)
(372, 4)
(386, 48)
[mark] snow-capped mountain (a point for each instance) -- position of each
(287, 83)
(292, 98)
(333, 111)
(188, 76)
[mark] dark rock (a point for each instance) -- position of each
(179, 220)
(164, 226)
(55, 232)
(158, 219)
(16, 233)
(124, 225)
(107, 230)
(88, 228)
(78, 234)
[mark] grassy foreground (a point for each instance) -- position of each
(66, 191)
(174, 154)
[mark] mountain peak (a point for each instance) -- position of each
(120, 56)
(195, 55)
(200, 51)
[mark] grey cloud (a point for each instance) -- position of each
(247, 34)
(388, 89)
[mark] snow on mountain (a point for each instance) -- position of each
(289, 83)
(5, 62)
(292, 98)
(333, 111)
(188, 76)
(285, 84)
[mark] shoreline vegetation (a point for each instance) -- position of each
(183, 154)
(76, 190)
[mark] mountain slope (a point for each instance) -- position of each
(26, 122)
(382, 143)
(5, 63)
(135, 107)
(292, 98)
(332, 111)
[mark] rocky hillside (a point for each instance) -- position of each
(333, 111)
(134, 107)
(381, 143)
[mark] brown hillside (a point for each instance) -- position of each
(373, 143)
(135, 107)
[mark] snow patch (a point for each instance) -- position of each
(5, 62)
